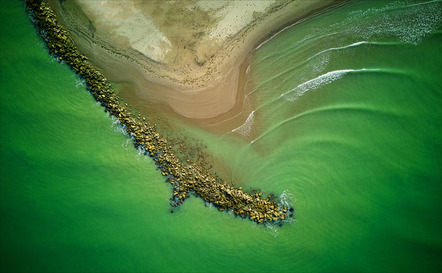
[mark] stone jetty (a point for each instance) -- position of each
(185, 178)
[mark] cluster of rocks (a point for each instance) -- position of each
(184, 177)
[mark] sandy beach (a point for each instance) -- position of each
(187, 58)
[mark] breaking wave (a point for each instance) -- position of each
(319, 81)
(407, 21)
(246, 127)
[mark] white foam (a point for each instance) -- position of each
(286, 199)
(127, 144)
(272, 228)
(338, 48)
(315, 83)
(140, 153)
(245, 128)
(117, 127)
(319, 81)
(248, 70)
(80, 83)
(321, 64)
(314, 66)
(409, 22)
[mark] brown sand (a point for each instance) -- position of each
(183, 59)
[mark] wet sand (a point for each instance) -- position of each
(192, 68)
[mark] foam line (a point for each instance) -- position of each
(319, 81)
(350, 46)
(246, 127)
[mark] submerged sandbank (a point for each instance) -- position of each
(186, 58)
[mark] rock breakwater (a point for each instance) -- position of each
(185, 178)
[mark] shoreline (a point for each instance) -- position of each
(216, 102)
(185, 178)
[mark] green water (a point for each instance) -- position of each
(347, 126)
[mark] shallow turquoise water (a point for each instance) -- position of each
(347, 126)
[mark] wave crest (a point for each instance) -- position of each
(246, 127)
(317, 82)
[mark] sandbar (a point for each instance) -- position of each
(187, 58)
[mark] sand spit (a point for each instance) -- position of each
(187, 56)
(185, 178)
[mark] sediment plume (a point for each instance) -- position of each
(185, 178)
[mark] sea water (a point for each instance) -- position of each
(346, 128)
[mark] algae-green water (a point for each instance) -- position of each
(346, 126)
